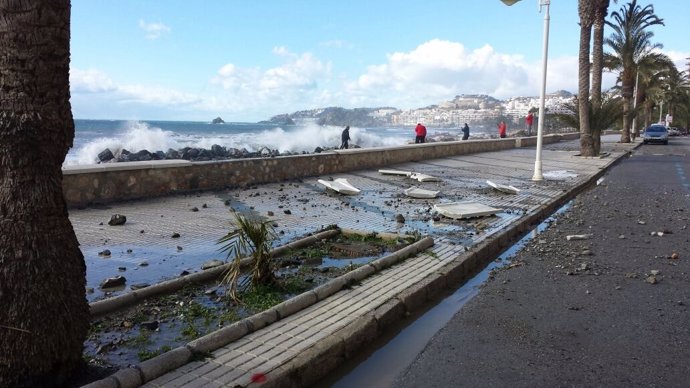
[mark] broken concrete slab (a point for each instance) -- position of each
(340, 185)
(503, 188)
(465, 209)
(395, 172)
(416, 192)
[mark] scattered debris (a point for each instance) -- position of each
(395, 172)
(424, 177)
(578, 237)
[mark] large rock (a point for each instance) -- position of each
(140, 156)
(105, 155)
(116, 281)
(117, 219)
(172, 154)
(218, 151)
(189, 153)
(217, 120)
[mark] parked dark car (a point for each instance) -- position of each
(655, 133)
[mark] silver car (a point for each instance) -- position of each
(655, 133)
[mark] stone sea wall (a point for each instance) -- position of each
(86, 185)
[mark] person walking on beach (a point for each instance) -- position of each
(502, 128)
(465, 132)
(529, 120)
(345, 138)
(420, 132)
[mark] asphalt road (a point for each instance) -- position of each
(611, 310)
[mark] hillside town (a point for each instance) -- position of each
(477, 109)
(474, 109)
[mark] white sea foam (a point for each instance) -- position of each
(136, 136)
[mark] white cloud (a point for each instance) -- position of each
(437, 70)
(153, 30)
(98, 84)
(295, 83)
(156, 95)
(681, 60)
(433, 72)
(89, 81)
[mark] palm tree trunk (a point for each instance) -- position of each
(44, 316)
(586, 140)
(625, 133)
(600, 11)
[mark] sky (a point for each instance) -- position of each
(247, 61)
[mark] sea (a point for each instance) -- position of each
(94, 136)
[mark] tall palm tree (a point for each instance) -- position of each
(585, 10)
(652, 69)
(629, 41)
(601, 8)
(44, 316)
(676, 90)
(649, 91)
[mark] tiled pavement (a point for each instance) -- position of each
(374, 209)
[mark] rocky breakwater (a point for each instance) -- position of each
(216, 152)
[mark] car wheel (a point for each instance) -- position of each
(666, 142)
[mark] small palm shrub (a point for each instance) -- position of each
(254, 238)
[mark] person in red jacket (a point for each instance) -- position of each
(420, 132)
(502, 127)
(529, 120)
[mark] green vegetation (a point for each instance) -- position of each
(145, 354)
(254, 237)
(262, 298)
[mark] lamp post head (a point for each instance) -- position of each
(509, 2)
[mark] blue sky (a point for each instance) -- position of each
(250, 60)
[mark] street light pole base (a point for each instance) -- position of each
(537, 172)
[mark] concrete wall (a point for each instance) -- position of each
(110, 182)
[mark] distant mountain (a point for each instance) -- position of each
(358, 117)
(561, 93)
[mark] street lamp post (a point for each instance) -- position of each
(542, 96)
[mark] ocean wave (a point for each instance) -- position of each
(133, 136)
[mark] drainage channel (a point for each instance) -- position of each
(388, 356)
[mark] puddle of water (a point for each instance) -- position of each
(380, 367)
(159, 263)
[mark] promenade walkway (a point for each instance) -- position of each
(299, 349)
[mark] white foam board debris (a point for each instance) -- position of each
(503, 188)
(465, 209)
(340, 185)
